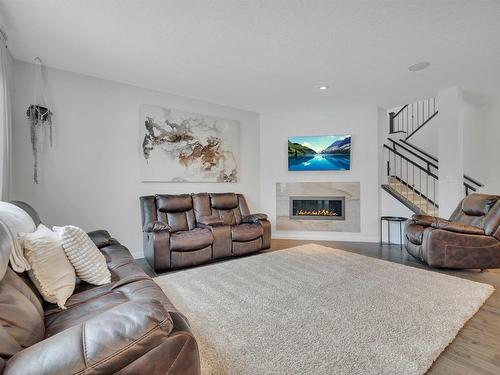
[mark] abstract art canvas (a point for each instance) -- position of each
(319, 153)
(178, 146)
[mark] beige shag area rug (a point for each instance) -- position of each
(316, 310)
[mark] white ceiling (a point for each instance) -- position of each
(266, 55)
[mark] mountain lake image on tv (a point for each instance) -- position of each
(319, 153)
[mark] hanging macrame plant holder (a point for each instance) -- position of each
(39, 116)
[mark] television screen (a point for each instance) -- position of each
(319, 153)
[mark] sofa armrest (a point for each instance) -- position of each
(457, 227)
(101, 238)
(156, 237)
(424, 220)
(210, 221)
(103, 344)
(254, 218)
(156, 226)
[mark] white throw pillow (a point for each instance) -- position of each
(51, 271)
(90, 265)
(17, 220)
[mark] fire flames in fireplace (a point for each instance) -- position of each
(317, 208)
(316, 213)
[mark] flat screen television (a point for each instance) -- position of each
(319, 153)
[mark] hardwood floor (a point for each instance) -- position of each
(476, 349)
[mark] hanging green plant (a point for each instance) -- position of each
(38, 117)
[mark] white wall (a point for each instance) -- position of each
(450, 149)
(481, 138)
(91, 177)
(427, 137)
(361, 123)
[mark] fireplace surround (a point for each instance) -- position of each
(350, 191)
(317, 208)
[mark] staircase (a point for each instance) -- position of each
(410, 197)
(412, 174)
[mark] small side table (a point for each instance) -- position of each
(392, 219)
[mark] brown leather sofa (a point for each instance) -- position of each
(126, 327)
(469, 239)
(189, 229)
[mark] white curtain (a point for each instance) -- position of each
(5, 121)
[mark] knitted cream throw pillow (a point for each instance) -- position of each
(51, 271)
(90, 264)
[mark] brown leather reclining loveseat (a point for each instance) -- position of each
(189, 229)
(126, 327)
(469, 239)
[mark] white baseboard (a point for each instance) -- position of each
(327, 236)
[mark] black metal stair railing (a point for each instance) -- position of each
(412, 117)
(431, 162)
(419, 185)
(411, 170)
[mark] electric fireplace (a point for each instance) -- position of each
(317, 208)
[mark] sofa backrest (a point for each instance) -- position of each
(21, 312)
(176, 211)
(182, 211)
(480, 210)
(230, 207)
(201, 205)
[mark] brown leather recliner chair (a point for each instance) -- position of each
(469, 239)
(186, 230)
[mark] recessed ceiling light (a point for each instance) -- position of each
(323, 87)
(419, 66)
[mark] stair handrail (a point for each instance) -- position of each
(429, 164)
(410, 123)
(411, 162)
(468, 187)
(421, 125)
(433, 158)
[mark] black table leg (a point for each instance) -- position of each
(401, 236)
(388, 233)
(380, 231)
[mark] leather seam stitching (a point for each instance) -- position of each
(179, 354)
(84, 346)
(125, 348)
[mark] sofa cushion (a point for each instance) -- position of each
(21, 315)
(103, 343)
(91, 303)
(246, 232)
(88, 261)
(229, 217)
(51, 271)
(178, 221)
(224, 201)
(191, 240)
(174, 203)
(415, 233)
(478, 204)
(457, 227)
